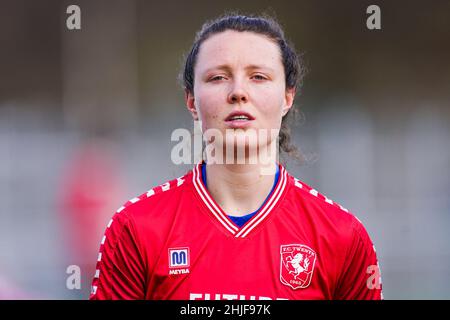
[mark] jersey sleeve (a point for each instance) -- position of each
(120, 271)
(360, 277)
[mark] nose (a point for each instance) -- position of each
(237, 94)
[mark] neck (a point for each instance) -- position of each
(240, 189)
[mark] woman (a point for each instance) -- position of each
(237, 226)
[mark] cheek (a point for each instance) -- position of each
(209, 107)
(271, 104)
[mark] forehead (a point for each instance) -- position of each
(233, 47)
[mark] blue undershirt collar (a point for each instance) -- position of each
(240, 221)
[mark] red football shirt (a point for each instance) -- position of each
(175, 242)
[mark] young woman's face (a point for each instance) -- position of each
(239, 83)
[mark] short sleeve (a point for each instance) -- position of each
(120, 271)
(360, 277)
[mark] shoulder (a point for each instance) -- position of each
(332, 222)
(155, 204)
(323, 211)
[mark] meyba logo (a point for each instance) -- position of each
(297, 265)
(179, 260)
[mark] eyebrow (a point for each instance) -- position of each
(227, 68)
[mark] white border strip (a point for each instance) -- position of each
(267, 208)
(210, 204)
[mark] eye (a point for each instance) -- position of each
(259, 77)
(217, 78)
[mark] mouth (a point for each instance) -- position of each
(239, 116)
(239, 119)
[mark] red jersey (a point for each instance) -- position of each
(175, 242)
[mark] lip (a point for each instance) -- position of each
(236, 124)
(239, 113)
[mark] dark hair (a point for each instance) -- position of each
(265, 25)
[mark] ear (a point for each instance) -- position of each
(289, 100)
(190, 104)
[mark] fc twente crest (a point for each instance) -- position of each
(297, 265)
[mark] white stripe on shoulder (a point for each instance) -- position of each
(297, 183)
(134, 200)
(93, 289)
(328, 200)
(165, 186)
(120, 209)
(318, 195)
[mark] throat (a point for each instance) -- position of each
(240, 194)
